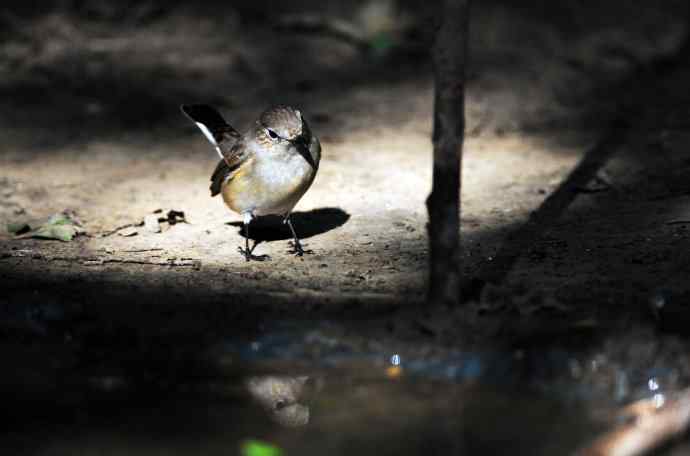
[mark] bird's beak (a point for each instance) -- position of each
(302, 145)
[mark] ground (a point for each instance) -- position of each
(575, 170)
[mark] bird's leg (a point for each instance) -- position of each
(296, 244)
(247, 252)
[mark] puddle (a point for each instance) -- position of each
(622, 370)
(315, 389)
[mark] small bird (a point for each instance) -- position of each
(280, 397)
(265, 170)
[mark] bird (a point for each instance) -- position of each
(264, 171)
(281, 397)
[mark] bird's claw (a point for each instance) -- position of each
(249, 256)
(297, 250)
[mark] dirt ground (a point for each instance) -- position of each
(91, 124)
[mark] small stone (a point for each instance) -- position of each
(151, 224)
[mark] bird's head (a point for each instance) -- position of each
(283, 124)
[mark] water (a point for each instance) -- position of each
(315, 389)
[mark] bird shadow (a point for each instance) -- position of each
(307, 224)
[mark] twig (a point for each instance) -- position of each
(142, 250)
(103, 260)
(171, 217)
(652, 427)
(164, 262)
(121, 227)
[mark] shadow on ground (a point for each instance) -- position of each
(306, 224)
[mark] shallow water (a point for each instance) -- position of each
(314, 389)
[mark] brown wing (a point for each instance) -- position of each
(234, 156)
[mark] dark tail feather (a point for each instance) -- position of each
(211, 123)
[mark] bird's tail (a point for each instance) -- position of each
(211, 124)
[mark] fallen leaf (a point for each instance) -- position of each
(259, 448)
(61, 232)
(62, 226)
(62, 218)
(18, 227)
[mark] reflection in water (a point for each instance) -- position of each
(279, 396)
(370, 398)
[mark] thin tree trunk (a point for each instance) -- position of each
(449, 62)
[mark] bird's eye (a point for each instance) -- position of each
(272, 133)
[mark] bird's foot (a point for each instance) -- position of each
(297, 250)
(249, 256)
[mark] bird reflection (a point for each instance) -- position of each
(279, 396)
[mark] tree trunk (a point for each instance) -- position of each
(449, 62)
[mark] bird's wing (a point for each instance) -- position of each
(233, 157)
